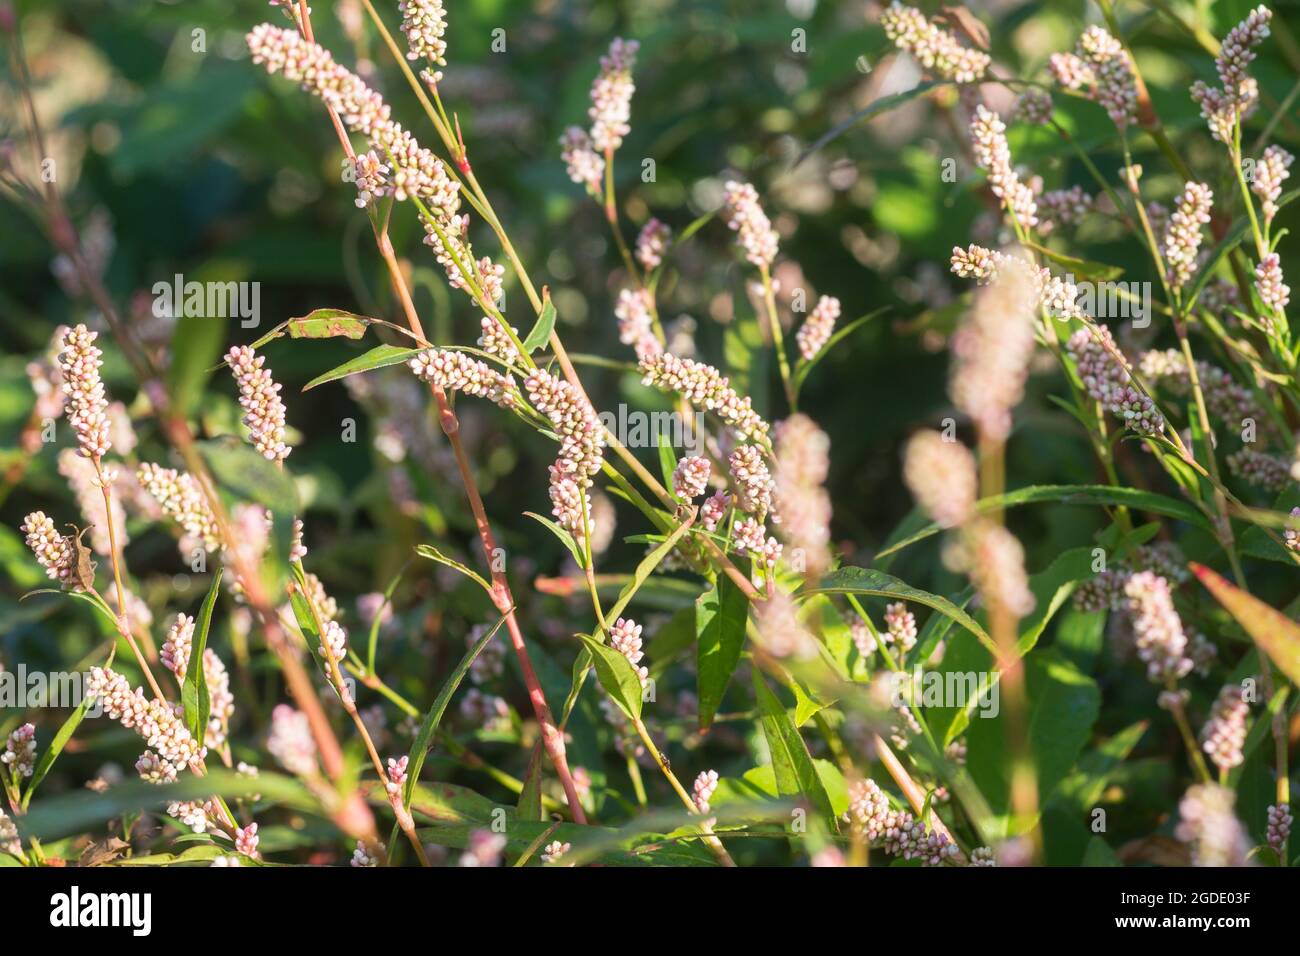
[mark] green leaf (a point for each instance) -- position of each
(1063, 706)
(381, 356)
(302, 610)
(791, 763)
(433, 554)
(424, 739)
(1051, 588)
(1080, 268)
(565, 538)
(851, 580)
(246, 476)
(195, 697)
(529, 806)
(76, 812)
(761, 782)
(720, 616)
(643, 572)
(51, 753)
(240, 470)
(804, 366)
(1099, 853)
(1084, 786)
(540, 333)
(667, 459)
(616, 675)
(692, 228)
(1275, 633)
(196, 345)
(876, 107)
(1071, 495)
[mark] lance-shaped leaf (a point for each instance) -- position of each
(1070, 495)
(791, 763)
(645, 569)
(720, 615)
(424, 739)
(851, 580)
(51, 753)
(1276, 634)
(541, 330)
(195, 698)
(433, 554)
(381, 356)
(616, 676)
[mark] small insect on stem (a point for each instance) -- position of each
(85, 566)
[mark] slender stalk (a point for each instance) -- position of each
(404, 820)
(711, 841)
(778, 339)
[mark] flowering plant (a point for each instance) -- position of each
(768, 689)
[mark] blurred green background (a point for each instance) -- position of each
(176, 159)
